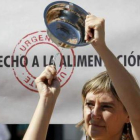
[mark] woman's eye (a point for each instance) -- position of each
(90, 104)
(106, 107)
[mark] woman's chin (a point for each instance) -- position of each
(96, 132)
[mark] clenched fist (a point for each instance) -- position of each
(94, 30)
(47, 83)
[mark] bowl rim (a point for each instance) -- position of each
(65, 2)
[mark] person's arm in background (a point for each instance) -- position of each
(49, 88)
(125, 85)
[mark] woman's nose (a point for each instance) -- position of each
(96, 112)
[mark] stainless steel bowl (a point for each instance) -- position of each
(65, 23)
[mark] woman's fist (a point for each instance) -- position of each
(47, 83)
(94, 30)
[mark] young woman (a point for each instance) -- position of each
(111, 101)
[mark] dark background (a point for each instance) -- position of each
(17, 131)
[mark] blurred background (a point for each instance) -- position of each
(55, 132)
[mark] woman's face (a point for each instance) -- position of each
(104, 116)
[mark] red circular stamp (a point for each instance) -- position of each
(36, 50)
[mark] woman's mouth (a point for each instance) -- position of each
(95, 124)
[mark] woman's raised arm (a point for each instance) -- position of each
(125, 85)
(49, 88)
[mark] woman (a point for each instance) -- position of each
(108, 109)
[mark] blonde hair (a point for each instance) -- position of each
(100, 83)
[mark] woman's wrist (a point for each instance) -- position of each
(50, 100)
(99, 47)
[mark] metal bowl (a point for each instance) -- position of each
(65, 22)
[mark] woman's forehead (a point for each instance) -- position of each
(102, 97)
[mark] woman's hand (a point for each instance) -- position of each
(94, 30)
(47, 83)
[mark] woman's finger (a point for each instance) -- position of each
(51, 69)
(46, 75)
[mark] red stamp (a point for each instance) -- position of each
(33, 53)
